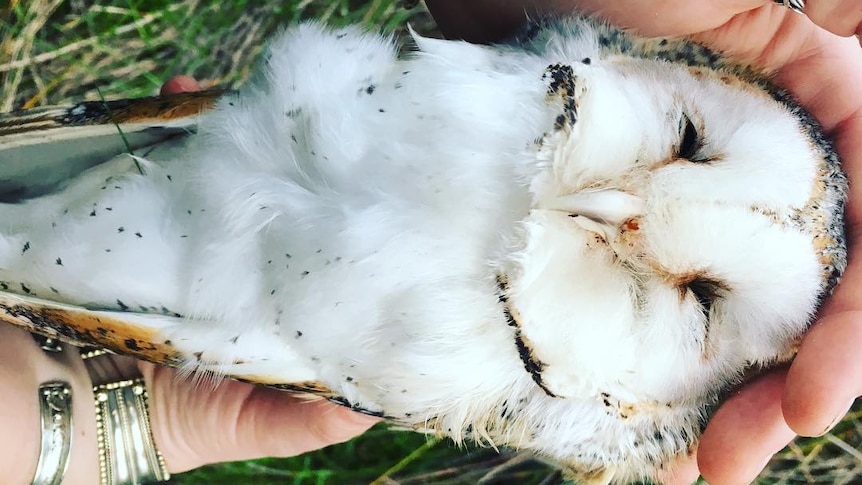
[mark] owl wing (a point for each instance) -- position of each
(125, 333)
(41, 148)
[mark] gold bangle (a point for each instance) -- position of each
(127, 453)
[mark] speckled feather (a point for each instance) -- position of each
(575, 243)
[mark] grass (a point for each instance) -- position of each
(59, 51)
(382, 457)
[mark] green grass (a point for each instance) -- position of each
(59, 51)
(382, 456)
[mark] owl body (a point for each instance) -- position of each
(572, 244)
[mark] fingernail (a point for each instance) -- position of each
(833, 423)
(841, 414)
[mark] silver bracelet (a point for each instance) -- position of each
(88, 353)
(48, 344)
(55, 405)
(127, 453)
(795, 5)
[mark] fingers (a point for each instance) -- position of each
(842, 17)
(682, 472)
(285, 425)
(180, 84)
(493, 20)
(664, 17)
(826, 376)
(819, 388)
(744, 433)
(195, 424)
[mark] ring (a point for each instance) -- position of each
(795, 5)
(55, 404)
(47, 344)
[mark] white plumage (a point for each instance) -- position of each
(572, 244)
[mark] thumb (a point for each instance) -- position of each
(195, 424)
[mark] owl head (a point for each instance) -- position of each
(686, 223)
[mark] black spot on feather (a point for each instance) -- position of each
(533, 366)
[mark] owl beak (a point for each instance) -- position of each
(606, 206)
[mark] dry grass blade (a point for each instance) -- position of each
(19, 45)
(78, 45)
(844, 446)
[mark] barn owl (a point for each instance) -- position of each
(574, 243)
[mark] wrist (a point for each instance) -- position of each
(27, 368)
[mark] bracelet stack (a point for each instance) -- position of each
(127, 453)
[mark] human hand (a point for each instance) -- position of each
(193, 425)
(821, 69)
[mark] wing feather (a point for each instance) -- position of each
(43, 147)
(137, 335)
